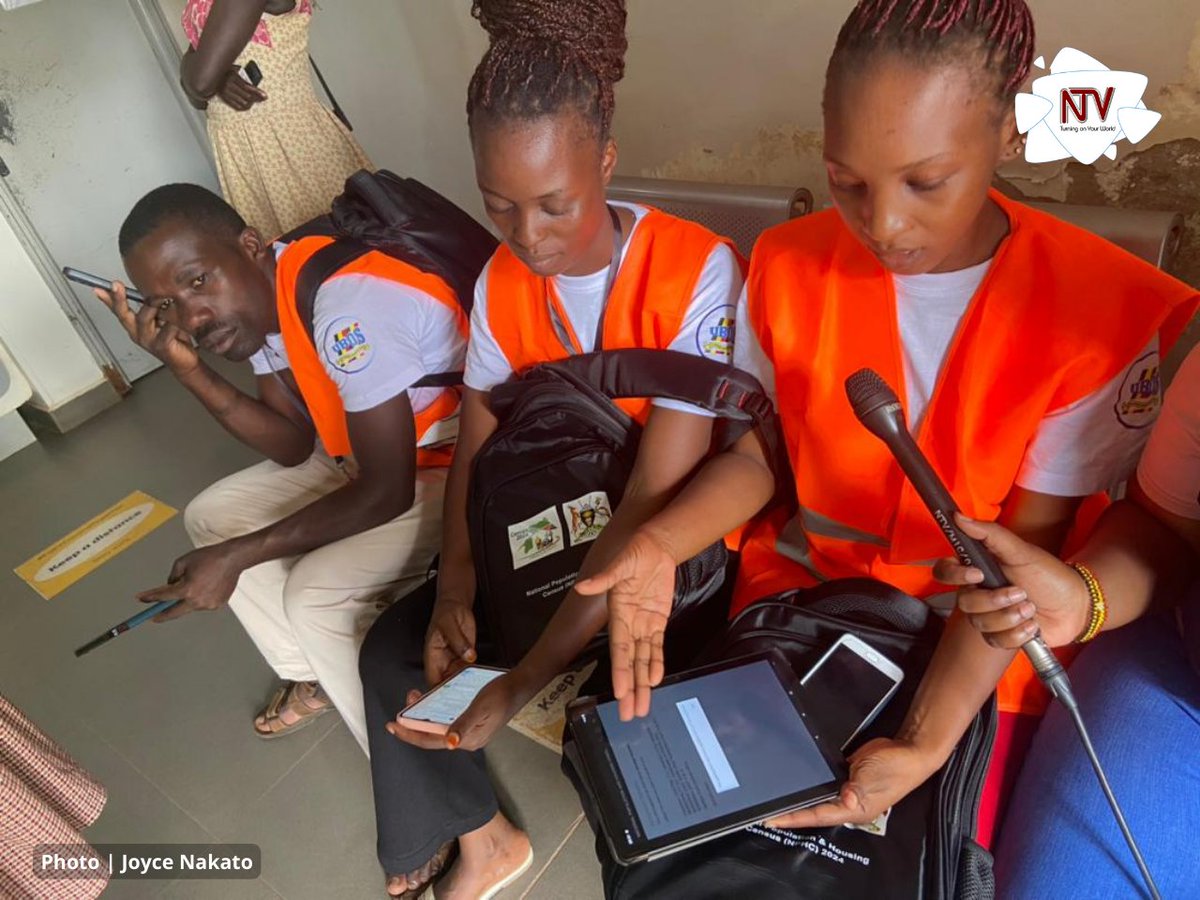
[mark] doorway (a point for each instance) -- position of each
(88, 124)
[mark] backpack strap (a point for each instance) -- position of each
(736, 397)
(322, 266)
(639, 372)
(318, 269)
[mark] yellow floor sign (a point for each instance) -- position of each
(91, 545)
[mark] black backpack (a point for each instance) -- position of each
(928, 850)
(404, 219)
(547, 480)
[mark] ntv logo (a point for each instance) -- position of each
(1084, 95)
(1088, 96)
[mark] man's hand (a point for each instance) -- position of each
(1046, 593)
(882, 773)
(151, 331)
(203, 579)
(238, 93)
(450, 641)
(641, 588)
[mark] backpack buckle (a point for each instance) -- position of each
(752, 402)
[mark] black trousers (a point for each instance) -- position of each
(423, 798)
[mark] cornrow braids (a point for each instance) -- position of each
(549, 55)
(942, 30)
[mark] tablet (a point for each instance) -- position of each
(724, 747)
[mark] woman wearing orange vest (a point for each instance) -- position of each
(1025, 351)
(574, 274)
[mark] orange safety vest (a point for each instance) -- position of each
(319, 391)
(650, 297)
(1060, 313)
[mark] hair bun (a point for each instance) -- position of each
(592, 31)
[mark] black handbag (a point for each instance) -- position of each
(546, 482)
(928, 848)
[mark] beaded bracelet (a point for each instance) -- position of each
(1099, 605)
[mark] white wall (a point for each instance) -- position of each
(714, 90)
(37, 332)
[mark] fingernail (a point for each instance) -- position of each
(1017, 595)
(469, 656)
(453, 740)
(1026, 610)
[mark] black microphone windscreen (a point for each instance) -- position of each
(867, 391)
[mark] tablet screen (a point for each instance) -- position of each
(713, 745)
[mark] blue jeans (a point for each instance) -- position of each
(1141, 703)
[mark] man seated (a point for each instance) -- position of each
(350, 498)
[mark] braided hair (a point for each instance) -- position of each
(941, 31)
(546, 56)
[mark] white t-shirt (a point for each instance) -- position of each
(1169, 472)
(375, 338)
(707, 329)
(1058, 461)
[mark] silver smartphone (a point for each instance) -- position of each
(848, 687)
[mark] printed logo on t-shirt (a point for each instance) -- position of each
(714, 337)
(346, 347)
(1141, 393)
(538, 536)
(586, 516)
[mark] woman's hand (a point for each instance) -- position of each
(641, 589)
(238, 93)
(1045, 593)
(490, 711)
(450, 641)
(882, 773)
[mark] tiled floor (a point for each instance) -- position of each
(162, 716)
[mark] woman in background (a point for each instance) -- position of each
(281, 155)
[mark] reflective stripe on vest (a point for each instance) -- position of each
(1059, 315)
(318, 389)
(650, 297)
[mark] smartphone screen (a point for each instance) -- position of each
(449, 700)
(844, 692)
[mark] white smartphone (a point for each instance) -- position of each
(436, 710)
(848, 687)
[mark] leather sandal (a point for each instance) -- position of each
(291, 709)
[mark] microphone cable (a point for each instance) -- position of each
(1067, 699)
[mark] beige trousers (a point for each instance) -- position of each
(308, 614)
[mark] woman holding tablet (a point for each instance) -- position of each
(1026, 351)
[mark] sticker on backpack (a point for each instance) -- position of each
(538, 536)
(586, 516)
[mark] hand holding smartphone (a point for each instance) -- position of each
(436, 710)
(252, 73)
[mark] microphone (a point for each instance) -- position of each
(878, 408)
